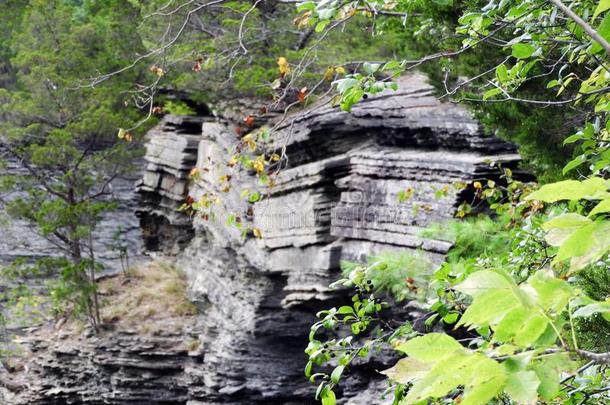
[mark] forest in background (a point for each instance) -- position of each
(82, 80)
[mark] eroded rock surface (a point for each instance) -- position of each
(171, 153)
(337, 199)
(112, 368)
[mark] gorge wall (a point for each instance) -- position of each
(337, 199)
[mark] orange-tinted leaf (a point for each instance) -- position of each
(302, 94)
(249, 120)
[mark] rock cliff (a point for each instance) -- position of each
(336, 199)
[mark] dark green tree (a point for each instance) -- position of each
(63, 135)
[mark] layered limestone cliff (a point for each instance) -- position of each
(337, 199)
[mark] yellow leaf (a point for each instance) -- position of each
(257, 233)
(283, 65)
(259, 166)
(249, 140)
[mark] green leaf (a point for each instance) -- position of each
(594, 188)
(482, 378)
(601, 208)
(307, 5)
(308, 368)
(486, 387)
(560, 228)
(604, 30)
(321, 25)
(491, 92)
(596, 308)
(254, 197)
(552, 84)
(406, 370)
(522, 51)
(371, 68)
(552, 293)
(445, 3)
(602, 6)
(335, 376)
(574, 163)
(572, 138)
(451, 318)
(391, 65)
(344, 84)
(431, 347)
(585, 246)
(328, 396)
(483, 310)
(502, 73)
(522, 386)
(481, 282)
(345, 310)
(533, 327)
(548, 369)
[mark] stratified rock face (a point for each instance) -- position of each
(112, 368)
(171, 153)
(337, 199)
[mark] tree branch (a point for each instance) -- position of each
(583, 24)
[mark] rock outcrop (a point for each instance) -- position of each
(171, 153)
(336, 199)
